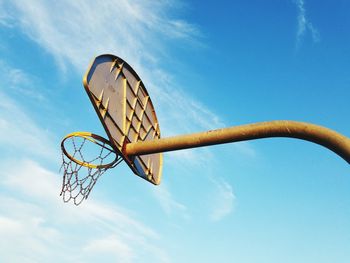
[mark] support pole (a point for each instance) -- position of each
(328, 138)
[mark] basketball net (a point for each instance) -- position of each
(81, 167)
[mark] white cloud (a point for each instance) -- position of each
(304, 24)
(19, 134)
(167, 201)
(5, 18)
(75, 31)
(31, 179)
(178, 112)
(32, 212)
(26, 239)
(110, 245)
(15, 79)
(36, 226)
(222, 200)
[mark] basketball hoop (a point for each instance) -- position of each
(128, 117)
(81, 167)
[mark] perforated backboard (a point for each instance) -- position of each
(126, 111)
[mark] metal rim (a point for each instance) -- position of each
(92, 138)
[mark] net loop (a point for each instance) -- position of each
(81, 167)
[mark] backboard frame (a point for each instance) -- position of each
(148, 167)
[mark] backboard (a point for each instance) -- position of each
(125, 110)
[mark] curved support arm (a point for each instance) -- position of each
(328, 138)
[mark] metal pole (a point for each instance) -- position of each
(328, 138)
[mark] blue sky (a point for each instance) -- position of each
(205, 66)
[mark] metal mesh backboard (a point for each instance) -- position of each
(125, 110)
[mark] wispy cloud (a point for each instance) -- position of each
(35, 225)
(5, 18)
(75, 31)
(19, 134)
(304, 25)
(17, 80)
(168, 203)
(137, 31)
(222, 200)
(110, 245)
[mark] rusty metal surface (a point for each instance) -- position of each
(127, 114)
(126, 111)
(328, 138)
